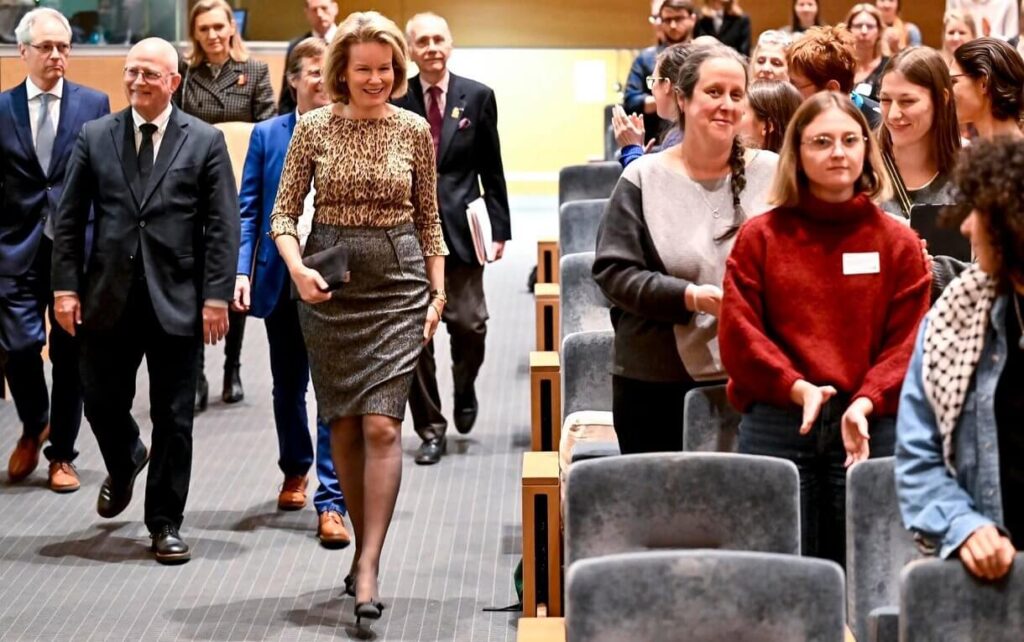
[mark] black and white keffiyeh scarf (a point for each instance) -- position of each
(953, 342)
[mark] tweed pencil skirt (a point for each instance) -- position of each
(364, 342)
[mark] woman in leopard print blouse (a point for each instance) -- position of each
(373, 172)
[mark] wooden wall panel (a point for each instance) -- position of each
(550, 23)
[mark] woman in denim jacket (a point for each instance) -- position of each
(960, 427)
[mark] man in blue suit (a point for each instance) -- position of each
(40, 120)
(263, 289)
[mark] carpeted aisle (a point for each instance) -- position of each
(259, 574)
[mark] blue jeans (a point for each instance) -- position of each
(819, 456)
(289, 368)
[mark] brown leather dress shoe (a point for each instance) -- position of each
(63, 477)
(25, 457)
(293, 493)
(331, 531)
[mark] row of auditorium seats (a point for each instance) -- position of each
(705, 541)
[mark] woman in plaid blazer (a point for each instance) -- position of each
(220, 83)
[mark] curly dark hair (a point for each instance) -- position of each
(988, 178)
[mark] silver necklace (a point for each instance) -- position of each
(1020, 320)
(702, 192)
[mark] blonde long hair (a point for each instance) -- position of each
(236, 48)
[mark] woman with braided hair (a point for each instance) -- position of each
(959, 441)
(662, 246)
(822, 297)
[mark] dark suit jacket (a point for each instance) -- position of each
(223, 99)
(257, 256)
(735, 31)
(286, 102)
(182, 225)
(469, 155)
(30, 193)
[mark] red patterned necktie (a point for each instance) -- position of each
(434, 116)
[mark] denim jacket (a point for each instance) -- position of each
(941, 509)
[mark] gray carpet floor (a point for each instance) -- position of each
(259, 574)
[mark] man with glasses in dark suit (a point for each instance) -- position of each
(158, 283)
(40, 119)
(463, 118)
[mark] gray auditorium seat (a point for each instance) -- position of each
(583, 307)
(590, 180)
(710, 423)
(681, 501)
(587, 371)
(941, 602)
(577, 225)
(877, 546)
(704, 596)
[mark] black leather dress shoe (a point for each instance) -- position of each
(168, 547)
(202, 394)
(114, 498)
(233, 392)
(431, 450)
(466, 408)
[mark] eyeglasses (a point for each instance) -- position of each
(653, 80)
(47, 48)
(131, 73)
(826, 143)
(864, 26)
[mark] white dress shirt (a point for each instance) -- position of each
(35, 103)
(442, 100)
(329, 36)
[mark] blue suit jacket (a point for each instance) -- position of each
(30, 192)
(257, 256)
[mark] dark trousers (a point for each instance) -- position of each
(110, 361)
(26, 301)
(648, 415)
(289, 368)
(819, 456)
(465, 317)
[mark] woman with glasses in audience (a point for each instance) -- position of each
(957, 28)
(806, 14)
(865, 23)
(959, 447)
(988, 86)
(822, 297)
(898, 34)
(725, 21)
(771, 104)
(221, 83)
(661, 251)
(629, 129)
(768, 61)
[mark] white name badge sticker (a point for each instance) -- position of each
(861, 263)
(864, 89)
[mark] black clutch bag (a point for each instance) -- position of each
(332, 264)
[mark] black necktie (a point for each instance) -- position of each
(146, 152)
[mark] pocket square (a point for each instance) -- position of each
(464, 123)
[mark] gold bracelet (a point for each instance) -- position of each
(439, 295)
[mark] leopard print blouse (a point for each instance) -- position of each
(368, 173)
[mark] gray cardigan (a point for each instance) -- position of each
(657, 237)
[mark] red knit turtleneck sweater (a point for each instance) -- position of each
(792, 311)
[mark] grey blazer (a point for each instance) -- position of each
(241, 92)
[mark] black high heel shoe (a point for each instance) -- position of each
(350, 585)
(368, 610)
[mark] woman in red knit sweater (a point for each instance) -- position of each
(822, 297)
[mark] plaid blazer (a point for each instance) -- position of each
(241, 92)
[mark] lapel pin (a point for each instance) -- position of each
(241, 79)
(456, 112)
